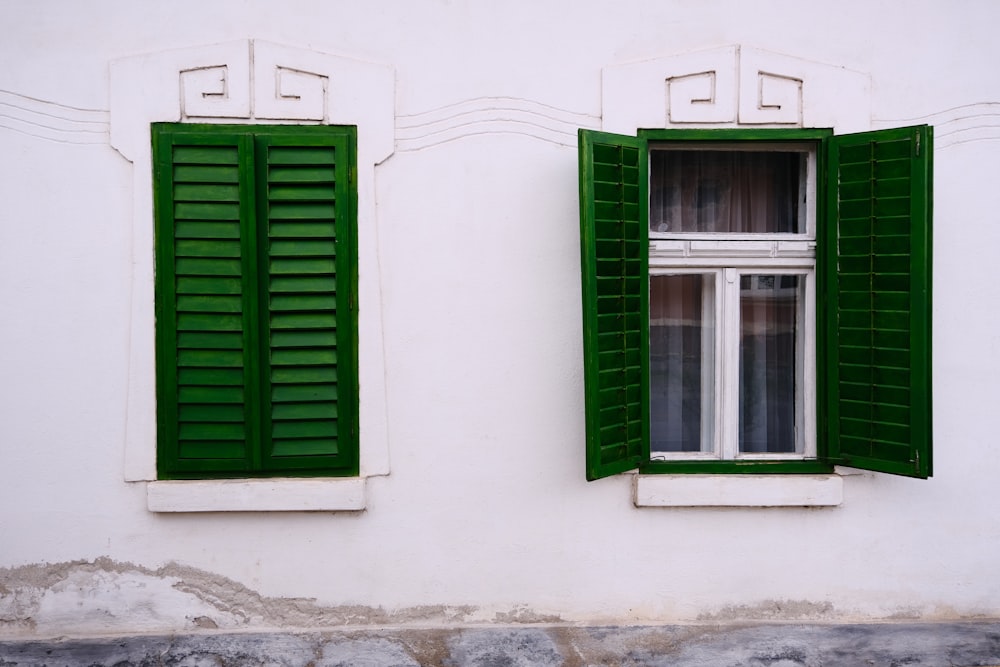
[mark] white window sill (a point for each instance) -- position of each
(257, 495)
(738, 490)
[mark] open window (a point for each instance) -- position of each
(757, 300)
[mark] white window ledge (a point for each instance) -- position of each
(738, 490)
(257, 495)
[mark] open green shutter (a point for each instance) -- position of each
(204, 304)
(614, 257)
(307, 265)
(878, 276)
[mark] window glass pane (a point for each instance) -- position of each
(732, 192)
(770, 410)
(681, 362)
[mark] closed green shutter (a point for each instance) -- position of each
(307, 262)
(878, 276)
(204, 303)
(615, 260)
(255, 282)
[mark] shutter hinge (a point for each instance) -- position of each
(917, 141)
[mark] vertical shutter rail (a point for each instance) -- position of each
(870, 417)
(200, 299)
(622, 370)
(304, 186)
(211, 397)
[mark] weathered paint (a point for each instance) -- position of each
(104, 597)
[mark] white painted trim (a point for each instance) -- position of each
(258, 495)
(738, 490)
(252, 81)
(732, 256)
(733, 86)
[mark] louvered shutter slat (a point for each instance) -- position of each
(306, 199)
(202, 337)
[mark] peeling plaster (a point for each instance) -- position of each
(522, 614)
(774, 610)
(106, 596)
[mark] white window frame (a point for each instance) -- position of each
(728, 256)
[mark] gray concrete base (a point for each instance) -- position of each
(962, 644)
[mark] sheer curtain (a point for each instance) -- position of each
(724, 191)
(769, 314)
(681, 331)
(682, 365)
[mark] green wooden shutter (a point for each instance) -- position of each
(256, 281)
(307, 261)
(878, 319)
(204, 304)
(615, 259)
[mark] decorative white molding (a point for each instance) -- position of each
(251, 81)
(205, 92)
(779, 100)
(772, 88)
(303, 92)
(693, 87)
(52, 121)
(291, 85)
(263, 86)
(959, 125)
(693, 96)
(490, 115)
(733, 86)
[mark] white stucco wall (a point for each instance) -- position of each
(473, 284)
